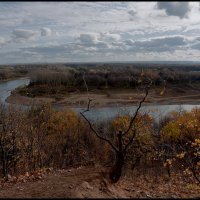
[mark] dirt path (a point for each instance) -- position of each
(74, 183)
(89, 182)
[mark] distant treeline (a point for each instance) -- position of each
(104, 75)
(110, 76)
(12, 72)
(145, 64)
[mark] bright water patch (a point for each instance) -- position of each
(156, 111)
(99, 114)
(7, 86)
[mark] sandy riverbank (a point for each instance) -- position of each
(172, 95)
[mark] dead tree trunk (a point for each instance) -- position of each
(120, 149)
(4, 162)
(116, 170)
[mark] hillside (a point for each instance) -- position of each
(91, 182)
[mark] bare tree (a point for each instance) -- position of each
(121, 146)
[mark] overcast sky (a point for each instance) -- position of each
(99, 31)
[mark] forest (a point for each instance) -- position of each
(42, 138)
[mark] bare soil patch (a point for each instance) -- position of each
(104, 98)
(91, 182)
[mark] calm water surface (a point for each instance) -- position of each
(7, 86)
(100, 114)
(156, 111)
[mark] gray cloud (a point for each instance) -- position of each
(196, 46)
(48, 50)
(132, 12)
(127, 30)
(87, 39)
(129, 42)
(26, 21)
(92, 40)
(68, 48)
(157, 44)
(107, 36)
(91, 44)
(197, 38)
(23, 34)
(179, 9)
(3, 41)
(101, 45)
(46, 31)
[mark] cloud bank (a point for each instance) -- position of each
(98, 31)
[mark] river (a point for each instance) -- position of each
(100, 114)
(156, 111)
(7, 86)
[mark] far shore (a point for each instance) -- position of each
(12, 79)
(112, 98)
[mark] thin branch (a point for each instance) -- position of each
(90, 124)
(194, 174)
(89, 99)
(100, 137)
(85, 82)
(168, 146)
(130, 141)
(138, 108)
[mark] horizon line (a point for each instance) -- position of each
(93, 62)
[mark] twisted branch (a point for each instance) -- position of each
(90, 124)
(138, 108)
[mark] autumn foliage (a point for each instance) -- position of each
(42, 137)
(143, 125)
(181, 136)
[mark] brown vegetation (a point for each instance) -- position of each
(108, 85)
(123, 140)
(66, 79)
(43, 137)
(39, 140)
(9, 72)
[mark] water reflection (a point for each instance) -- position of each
(98, 114)
(156, 111)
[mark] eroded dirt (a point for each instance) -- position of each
(91, 182)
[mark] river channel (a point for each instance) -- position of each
(101, 114)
